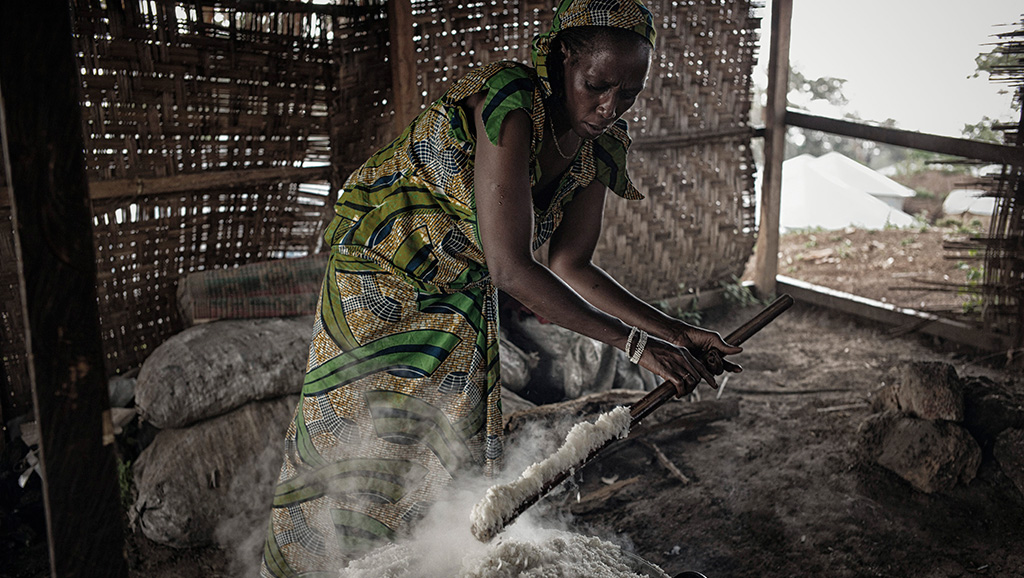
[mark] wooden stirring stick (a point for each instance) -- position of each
(637, 412)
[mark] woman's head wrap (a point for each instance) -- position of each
(625, 14)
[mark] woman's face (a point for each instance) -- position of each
(602, 84)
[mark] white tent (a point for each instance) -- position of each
(862, 178)
(968, 201)
(815, 197)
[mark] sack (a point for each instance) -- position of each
(212, 482)
(569, 365)
(211, 369)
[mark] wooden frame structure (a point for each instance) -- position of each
(86, 534)
(779, 118)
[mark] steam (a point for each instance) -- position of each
(241, 536)
(501, 500)
(443, 543)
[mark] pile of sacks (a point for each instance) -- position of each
(932, 428)
(222, 395)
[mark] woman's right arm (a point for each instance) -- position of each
(505, 216)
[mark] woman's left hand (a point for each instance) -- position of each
(700, 341)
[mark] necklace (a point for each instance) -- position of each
(554, 137)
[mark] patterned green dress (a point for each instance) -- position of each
(402, 390)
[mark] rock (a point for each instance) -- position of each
(211, 369)
(1009, 452)
(121, 390)
(932, 455)
(990, 408)
(212, 482)
(570, 365)
(924, 389)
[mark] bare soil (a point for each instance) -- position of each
(908, 267)
(781, 490)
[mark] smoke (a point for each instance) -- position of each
(442, 543)
(241, 536)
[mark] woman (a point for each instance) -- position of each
(402, 390)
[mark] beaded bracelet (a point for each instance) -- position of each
(629, 340)
(638, 351)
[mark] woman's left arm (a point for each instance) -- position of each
(570, 257)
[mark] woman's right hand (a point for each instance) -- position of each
(675, 364)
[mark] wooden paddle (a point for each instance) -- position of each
(641, 409)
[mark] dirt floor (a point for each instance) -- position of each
(914, 268)
(780, 490)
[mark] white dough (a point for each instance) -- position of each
(499, 504)
(546, 553)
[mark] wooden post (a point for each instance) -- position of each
(42, 128)
(403, 63)
(4, 383)
(766, 256)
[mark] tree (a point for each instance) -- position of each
(804, 91)
(982, 130)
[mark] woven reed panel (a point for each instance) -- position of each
(362, 109)
(170, 89)
(696, 227)
(180, 92)
(452, 37)
(145, 247)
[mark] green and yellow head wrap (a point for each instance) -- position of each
(625, 14)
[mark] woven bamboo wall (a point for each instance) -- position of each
(691, 152)
(214, 134)
(691, 156)
(362, 107)
(197, 125)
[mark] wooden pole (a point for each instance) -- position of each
(41, 125)
(766, 255)
(403, 63)
(960, 147)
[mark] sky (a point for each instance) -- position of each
(909, 60)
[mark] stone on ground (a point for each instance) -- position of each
(924, 389)
(1009, 452)
(933, 455)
